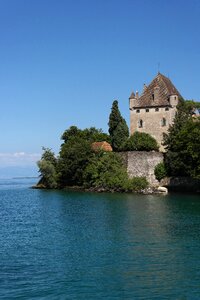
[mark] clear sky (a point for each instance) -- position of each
(63, 62)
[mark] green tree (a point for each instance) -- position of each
(182, 143)
(184, 110)
(118, 128)
(183, 157)
(76, 152)
(74, 157)
(91, 134)
(47, 168)
(140, 141)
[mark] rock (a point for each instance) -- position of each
(163, 189)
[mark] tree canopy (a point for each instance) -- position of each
(140, 141)
(182, 143)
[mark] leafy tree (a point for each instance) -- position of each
(118, 128)
(140, 141)
(74, 157)
(183, 157)
(76, 152)
(47, 168)
(184, 110)
(182, 143)
(91, 134)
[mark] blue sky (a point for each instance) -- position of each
(63, 62)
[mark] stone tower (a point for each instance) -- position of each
(154, 110)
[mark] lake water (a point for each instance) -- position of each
(74, 245)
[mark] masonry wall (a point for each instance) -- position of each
(152, 121)
(141, 163)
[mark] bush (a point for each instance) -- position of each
(106, 171)
(160, 171)
(140, 141)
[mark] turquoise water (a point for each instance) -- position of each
(73, 245)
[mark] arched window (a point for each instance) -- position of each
(140, 124)
(163, 122)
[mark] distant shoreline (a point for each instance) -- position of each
(25, 177)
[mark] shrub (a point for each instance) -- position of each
(140, 141)
(106, 171)
(138, 183)
(160, 171)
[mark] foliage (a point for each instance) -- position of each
(91, 134)
(183, 157)
(118, 128)
(140, 141)
(47, 169)
(184, 110)
(76, 152)
(182, 143)
(74, 157)
(106, 171)
(160, 171)
(138, 183)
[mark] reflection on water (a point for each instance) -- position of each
(72, 245)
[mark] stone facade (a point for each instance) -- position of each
(154, 111)
(142, 164)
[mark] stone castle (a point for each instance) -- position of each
(154, 110)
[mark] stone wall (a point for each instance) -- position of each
(141, 163)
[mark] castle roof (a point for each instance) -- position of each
(163, 87)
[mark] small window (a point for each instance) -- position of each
(175, 98)
(157, 109)
(140, 124)
(153, 96)
(163, 122)
(147, 110)
(137, 111)
(166, 108)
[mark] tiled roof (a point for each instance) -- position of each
(164, 88)
(105, 146)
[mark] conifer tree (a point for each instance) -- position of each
(118, 128)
